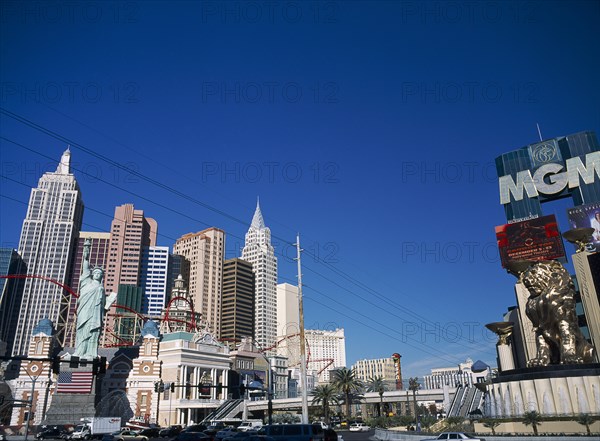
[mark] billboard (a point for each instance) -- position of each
(533, 239)
(587, 216)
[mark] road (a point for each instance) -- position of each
(346, 435)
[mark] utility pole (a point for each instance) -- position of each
(303, 381)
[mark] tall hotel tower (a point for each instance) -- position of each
(130, 232)
(260, 253)
(205, 252)
(47, 246)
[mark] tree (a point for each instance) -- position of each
(325, 395)
(491, 424)
(427, 421)
(454, 422)
(413, 384)
(377, 385)
(346, 382)
(585, 419)
(533, 419)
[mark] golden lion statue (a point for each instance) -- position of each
(551, 309)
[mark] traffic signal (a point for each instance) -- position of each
(172, 387)
(219, 389)
(204, 390)
(242, 390)
(156, 387)
(56, 365)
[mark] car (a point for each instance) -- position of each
(124, 435)
(195, 428)
(170, 431)
(359, 427)
(294, 432)
(193, 436)
(453, 435)
(150, 432)
(50, 433)
(224, 433)
(235, 436)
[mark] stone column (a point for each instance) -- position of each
(504, 330)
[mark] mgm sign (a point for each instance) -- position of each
(557, 168)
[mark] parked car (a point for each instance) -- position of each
(235, 436)
(54, 432)
(294, 432)
(151, 432)
(124, 435)
(193, 436)
(359, 427)
(195, 428)
(170, 431)
(224, 433)
(453, 435)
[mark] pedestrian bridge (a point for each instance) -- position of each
(396, 396)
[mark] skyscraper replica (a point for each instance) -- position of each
(47, 246)
(154, 279)
(205, 252)
(237, 312)
(130, 232)
(11, 291)
(260, 253)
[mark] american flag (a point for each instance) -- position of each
(74, 382)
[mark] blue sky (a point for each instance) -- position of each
(369, 127)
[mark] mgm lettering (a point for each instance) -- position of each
(549, 179)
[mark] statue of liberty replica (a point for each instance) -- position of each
(91, 306)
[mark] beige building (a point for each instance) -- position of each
(205, 252)
(188, 360)
(327, 351)
(288, 311)
(130, 231)
(385, 368)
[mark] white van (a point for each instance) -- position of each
(250, 425)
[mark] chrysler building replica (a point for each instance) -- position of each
(260, 253)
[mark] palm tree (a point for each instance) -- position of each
(533, 419)
(585, 419)
(325, 395)
(377, 385)
(413, 384)
(346, 382)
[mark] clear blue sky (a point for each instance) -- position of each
(369, 127)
